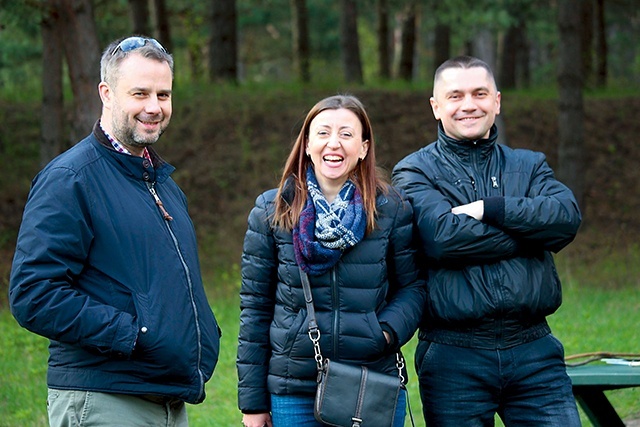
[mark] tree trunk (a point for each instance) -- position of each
(509, 58)
(384, 56)
(586, 31)
(300, 34)
(223, 60)
(523, 77)
(139, 10)
(408, 45)
(82, 52)
(442, 42)
(570, 106)
(483, 46)
(349, 42)
(442, 36)
(52, 98)
(514, 67)
(600, 45)
(162, 24)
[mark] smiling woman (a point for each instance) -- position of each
(335, 221)
(335, 146)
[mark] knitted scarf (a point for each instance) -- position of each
(325, 230)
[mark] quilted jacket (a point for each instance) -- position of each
(375, 286)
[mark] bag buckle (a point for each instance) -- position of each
(314, 335)
(400, 366)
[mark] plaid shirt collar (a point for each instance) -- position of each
(121, 148)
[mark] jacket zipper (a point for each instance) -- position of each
(152, 190)
(481, 191)
(168, 218)
(336, 310)
(474, 163)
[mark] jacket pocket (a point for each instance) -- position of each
(378, 341)
(295, 333)
(164, 347)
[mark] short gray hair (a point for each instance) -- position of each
(113, 56)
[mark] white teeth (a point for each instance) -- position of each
(333, 158)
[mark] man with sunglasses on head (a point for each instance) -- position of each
(106, 264)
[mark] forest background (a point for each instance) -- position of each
(247, 71)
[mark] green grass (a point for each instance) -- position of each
(23, 368)
(590, 319)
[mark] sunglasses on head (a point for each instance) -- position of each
(132, 43)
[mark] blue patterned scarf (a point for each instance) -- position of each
(325, 230)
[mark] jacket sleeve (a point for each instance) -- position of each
(257, 303)
(547, 216)
(448, 238)
(407, 288)
(53, 245)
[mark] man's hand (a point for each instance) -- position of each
(473, 209)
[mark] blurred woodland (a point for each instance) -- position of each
(246, 70)
(52, 48)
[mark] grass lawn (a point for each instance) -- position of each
(590, 319)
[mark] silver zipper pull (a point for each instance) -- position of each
(494, 181)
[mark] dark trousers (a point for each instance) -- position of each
(526, 385)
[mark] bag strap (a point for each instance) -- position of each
(314, 331)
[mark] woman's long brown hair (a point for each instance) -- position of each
(366, 175)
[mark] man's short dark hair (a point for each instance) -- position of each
(463, 61)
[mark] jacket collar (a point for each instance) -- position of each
(464, 148)
(135, 166)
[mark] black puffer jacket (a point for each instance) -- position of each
(491, 282)
(374, 287)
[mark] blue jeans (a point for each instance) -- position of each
(288, 410)
(526, 385)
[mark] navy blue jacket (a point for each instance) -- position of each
(491, 282)
(98, 271)
(375, 286)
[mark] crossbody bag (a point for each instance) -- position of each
(350, 395)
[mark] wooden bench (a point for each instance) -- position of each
(589, 384)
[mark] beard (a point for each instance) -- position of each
(127, 133)
(138, 139)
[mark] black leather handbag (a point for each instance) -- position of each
(351, 395)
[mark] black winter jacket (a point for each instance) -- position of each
(374, 287)
(491, 282)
